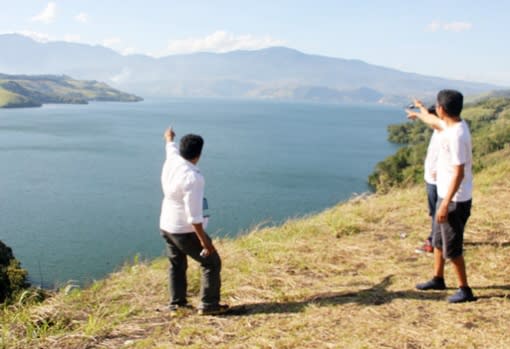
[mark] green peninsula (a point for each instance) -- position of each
(22, 91)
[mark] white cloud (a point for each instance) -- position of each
(72, 38)
(81, 17)
(121, 76)
(47, 15)
(220, 41)
(111, 42)
(128, 51)
(37, 36)
(434, 26)
(118, 45)
(456, 26)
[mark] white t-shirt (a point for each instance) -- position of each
(183, 190)
(431, 158)
(455, 149)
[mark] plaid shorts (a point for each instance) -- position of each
(449, 236)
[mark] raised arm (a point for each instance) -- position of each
(171, 148)
(423, 114)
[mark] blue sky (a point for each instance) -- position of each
(453, 39)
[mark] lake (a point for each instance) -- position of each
(80, 184)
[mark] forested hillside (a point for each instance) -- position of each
(489, 121)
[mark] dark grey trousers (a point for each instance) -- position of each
(449, 236)
(432, 198)
(178, 247)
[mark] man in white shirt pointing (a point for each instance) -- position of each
(182, 225)
(454, 189)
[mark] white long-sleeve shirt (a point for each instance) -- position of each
(183, 190)
(432, 157)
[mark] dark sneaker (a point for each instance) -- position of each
(435, 283)
(425, 248)
(216, 310)
(177, 308)
(464, 294)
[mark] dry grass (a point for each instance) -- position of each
(341, 279)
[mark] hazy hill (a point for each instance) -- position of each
(276, 72)
(18, 91)
(490, 94)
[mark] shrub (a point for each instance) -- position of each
(13, 278)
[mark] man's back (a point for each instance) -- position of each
(183, 190)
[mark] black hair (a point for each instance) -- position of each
(191, 146)
(451, 101)
(432, 110)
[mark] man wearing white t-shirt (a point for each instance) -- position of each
(454, 188)
(182, 225)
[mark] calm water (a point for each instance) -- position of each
(79, 185)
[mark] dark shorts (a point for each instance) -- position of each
(449, 236)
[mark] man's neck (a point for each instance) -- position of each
(452, 120)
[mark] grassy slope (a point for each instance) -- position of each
(340, 279)
(56, 89)
(8, 98)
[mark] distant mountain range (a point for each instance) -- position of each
(20, 91)
(272, 73)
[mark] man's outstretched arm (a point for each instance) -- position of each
(424, 115)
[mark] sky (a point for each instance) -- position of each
(465, 40)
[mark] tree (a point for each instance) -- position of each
(13, 278)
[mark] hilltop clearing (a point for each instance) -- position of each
(343, 278)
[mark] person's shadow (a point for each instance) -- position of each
(487, 243)
(375, 295)
(493, 294)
